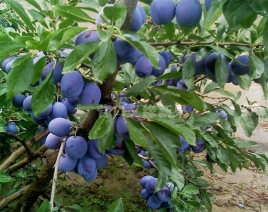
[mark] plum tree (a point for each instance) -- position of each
(136, 83)
(162, 11)
(188, 12)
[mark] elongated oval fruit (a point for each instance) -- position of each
(188, 12)
(72, 84)
(162, 11)
(91, 94)
(60, 127)
(76, 147)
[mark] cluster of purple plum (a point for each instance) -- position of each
(199, 147)
(11, 127)
(155, 200)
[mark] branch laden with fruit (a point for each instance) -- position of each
(135, 83)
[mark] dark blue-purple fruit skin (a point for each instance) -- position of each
(162, 11)
(181, 85)
(199, 65)
(59, 110)
(121, 127)
(200, 146)
(162, 66)
(145, 194)
(66, 163)
(144, 180)
(12, 128)
(184, 145)
(91, 94)
(243, 68)
(208, 4)
(164, 194)
(167, 56)
(211, 62)
(60, 127)
(125, 52)
(152, 204)
(93, 149)
(86, 166)
(118, 149)
(101, 162)
(18, 100)
(6, 61)
(188, 13)
(47, 69)
(143, 67)
(27, 106)
(72, 84)
(76, 147)
(52, 141)
(46, 112)
(143, 13)
(150, 185)
(71, 108)
(57, 73)
(136, 21)
(86, 36)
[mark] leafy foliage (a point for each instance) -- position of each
(155, 121)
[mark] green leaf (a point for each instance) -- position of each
(249, 122)
(105, 61)
(102, 2)
(177, 178)
(101, 126)
(210, 87)
(145, 48)
(104, 35)
(21, 75)
(140, 86)
(244, 81)
(188, 70)
(238, 13)
(75, 207)
(179, 127)
(137, 132)
(58, 200)
(5, 178)
(45, 206)
(116, 206)
(265, 38)
(191, 97)
(21, 13)
(245, 144)
(106, 141)
(214, 13)
(78, 55)
(35, 4)
(43, 95)
(133, 151)
(190, 190)
(207, 118)
(256, 66)
(164, 139)
(162, 162)
(91, 107)
(259, 6)
(116, 13)
(62, 36)
(38, 67)
(75, 13)
(222, 71)
(9, 48)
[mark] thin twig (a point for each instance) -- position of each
(54, 181)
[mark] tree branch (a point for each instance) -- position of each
(188, 43)
(20, 151)
(131, 6)
(27, 160)
(38, 185)
(5, 202)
